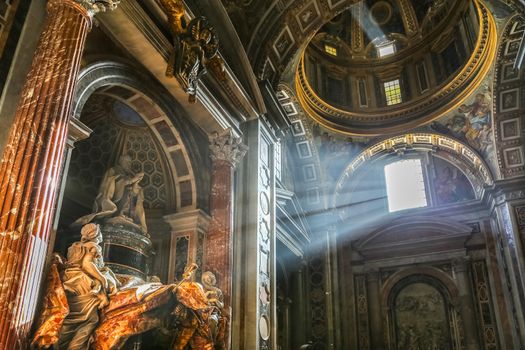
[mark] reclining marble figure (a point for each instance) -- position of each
(87, 306)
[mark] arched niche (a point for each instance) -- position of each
(185, 144)
(421, 307)
(361, 189)
(126, 112)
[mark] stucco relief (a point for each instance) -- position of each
(421, 318)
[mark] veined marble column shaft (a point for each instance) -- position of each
(32, 162)
(226, 151)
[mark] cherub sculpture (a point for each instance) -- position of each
(195, 47)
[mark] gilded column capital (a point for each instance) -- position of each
(227, 147)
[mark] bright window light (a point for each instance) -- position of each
(330, 50)
(392, 92)
(386, 50)
(405, 186)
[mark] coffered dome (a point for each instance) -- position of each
(383, 65)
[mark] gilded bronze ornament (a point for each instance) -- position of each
(195, 49)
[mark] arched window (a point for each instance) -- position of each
(405, 185)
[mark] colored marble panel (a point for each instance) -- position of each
(186, 194)
(181, 255)
(166, 134)
(180, 163)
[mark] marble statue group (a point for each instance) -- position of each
(88, 306)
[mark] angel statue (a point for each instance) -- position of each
(87, 306)
(195, 47)
(86, 285)
(219, 317)
(198, 45)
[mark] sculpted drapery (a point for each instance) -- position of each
(87, 306)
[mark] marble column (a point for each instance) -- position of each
(226, 152)
(32, 161)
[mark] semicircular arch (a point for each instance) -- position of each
(163, 116)
(464, 157)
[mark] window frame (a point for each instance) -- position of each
(331, 50)
(398, 94)
(385, 45)
(426, 183)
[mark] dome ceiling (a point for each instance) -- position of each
(384, 66)
(365, 27)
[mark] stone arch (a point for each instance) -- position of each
(445, 280)
(431, 279)
(164, 116)
(509, 89)
(472, 165)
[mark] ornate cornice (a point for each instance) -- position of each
(225, 146)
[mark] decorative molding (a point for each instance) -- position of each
(77, 131)
(415, 235)
(361, 303)
(507, 106)
(194, 220)
(482, 289)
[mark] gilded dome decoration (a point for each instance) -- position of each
(384, 66)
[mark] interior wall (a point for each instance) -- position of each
(428, 293)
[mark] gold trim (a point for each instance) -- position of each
(416, 112)
(423, 140)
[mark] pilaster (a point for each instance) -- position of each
(226, 151)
